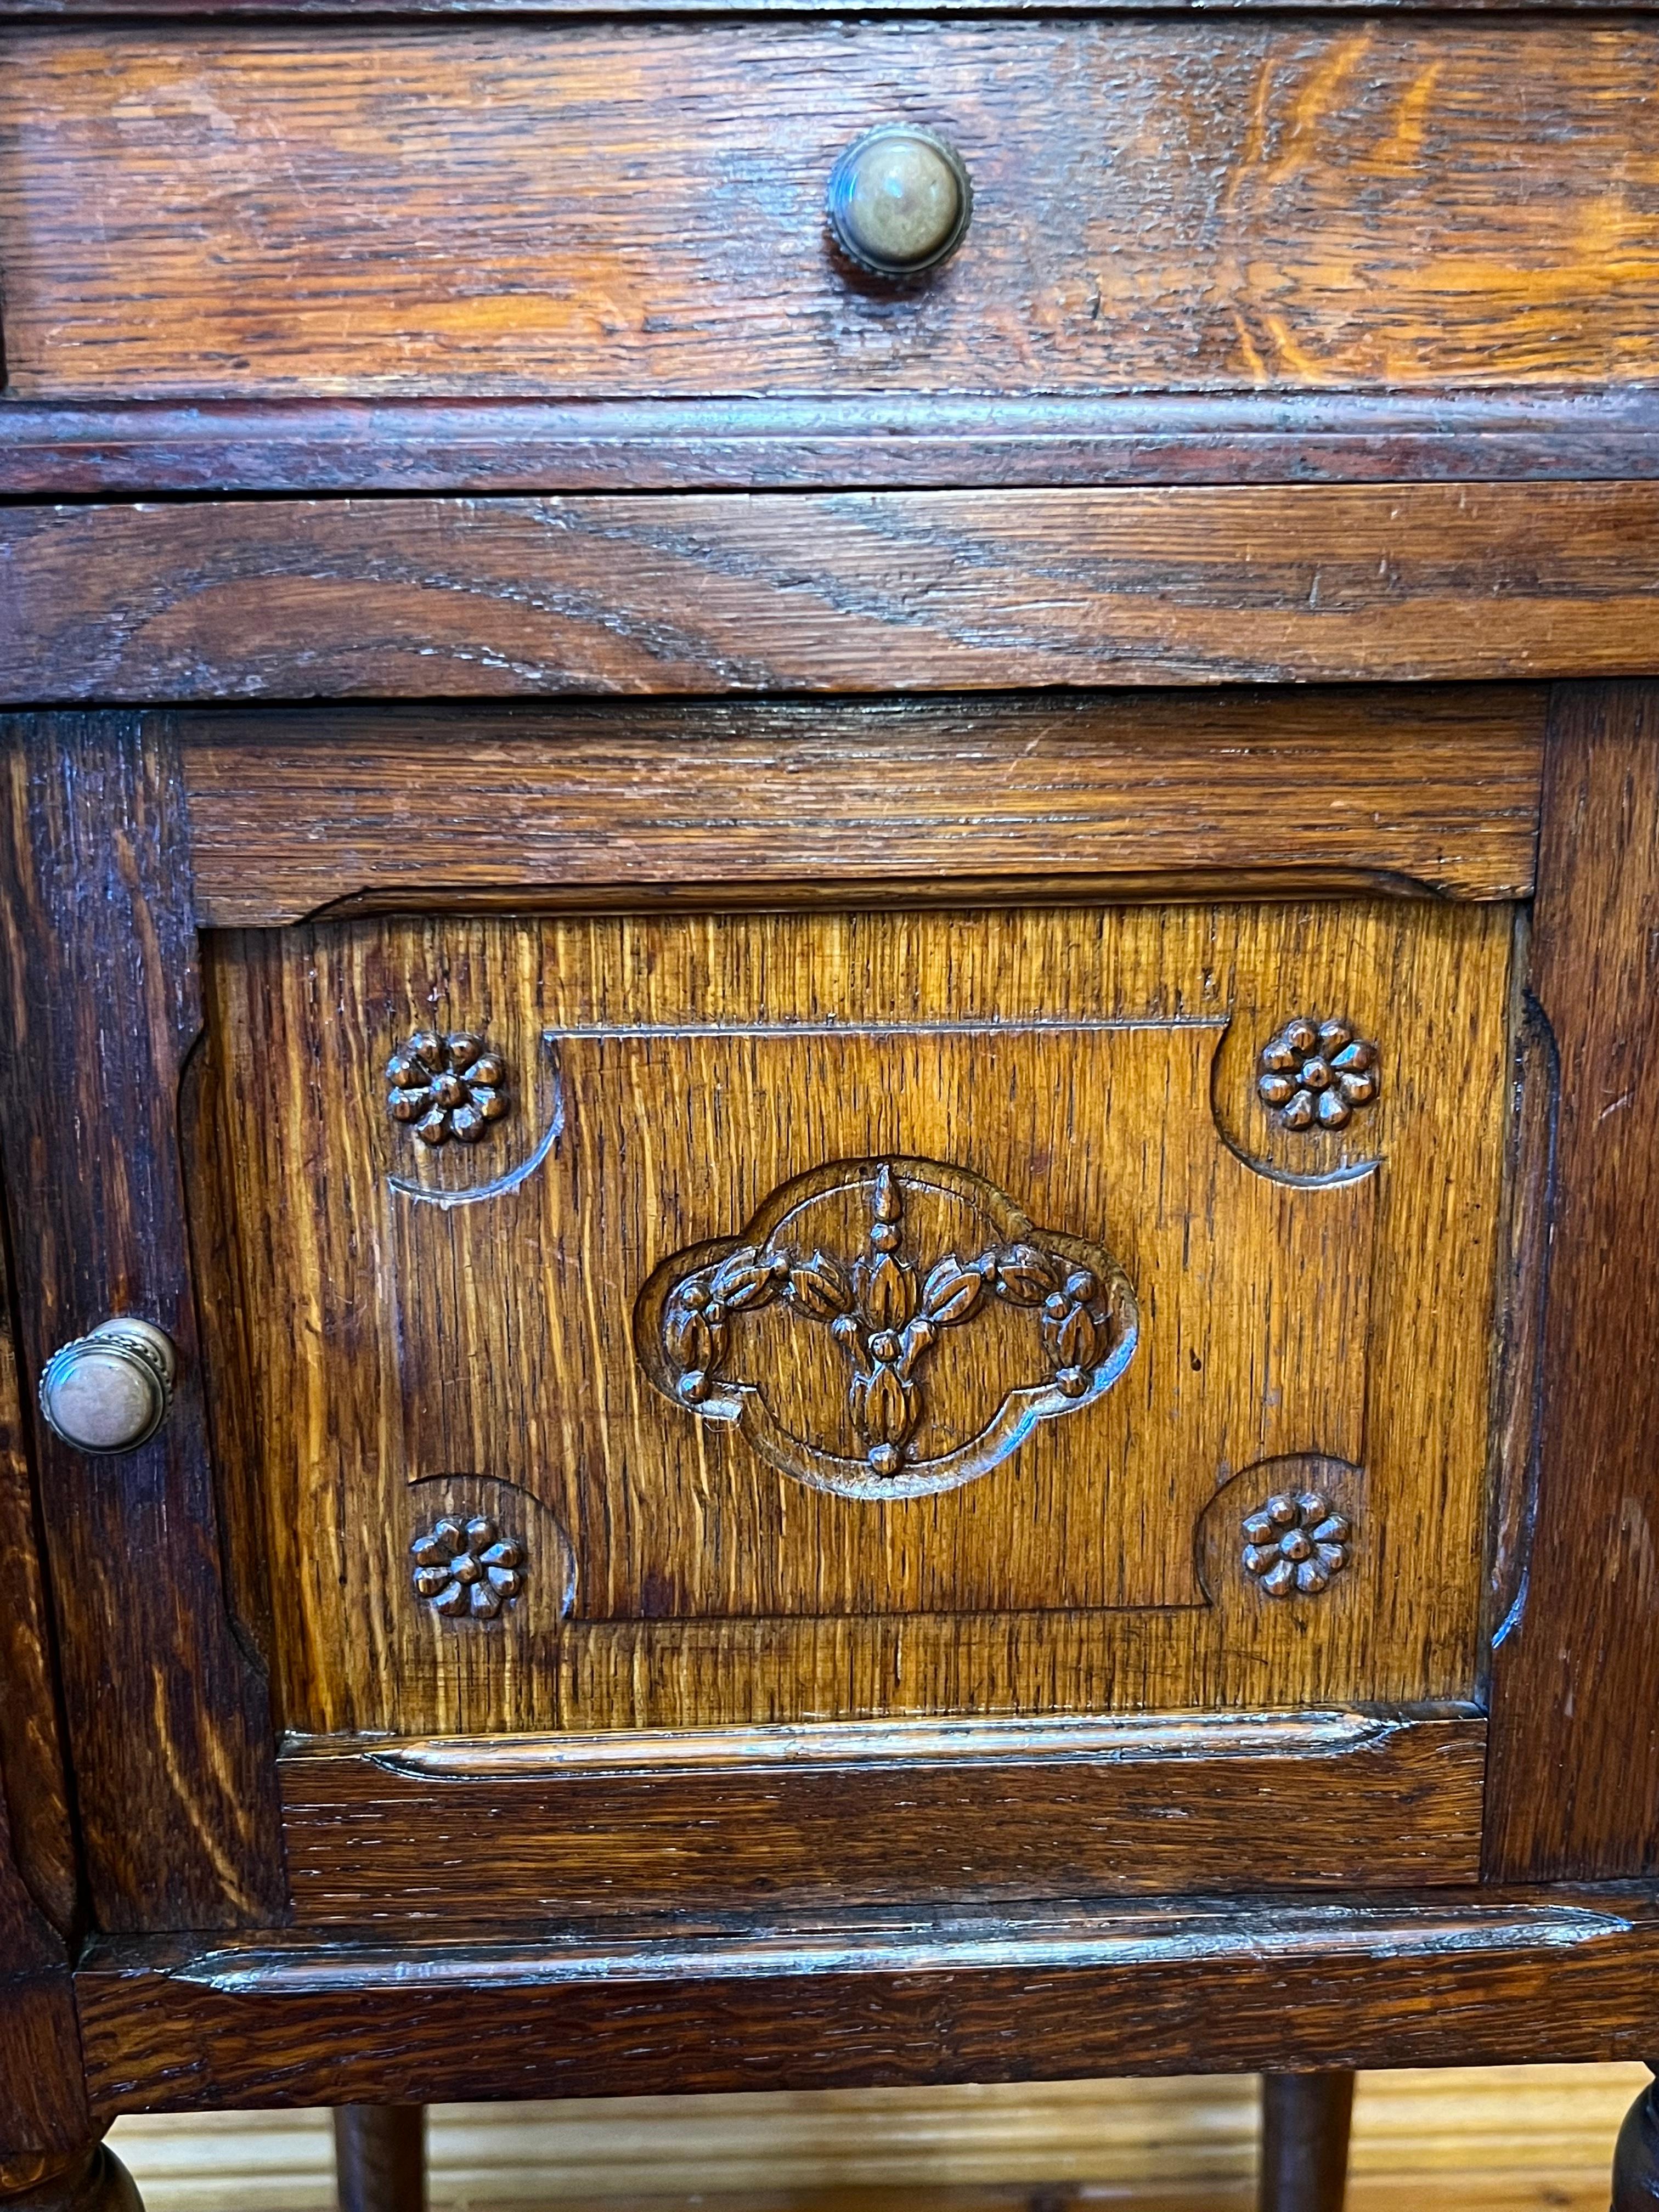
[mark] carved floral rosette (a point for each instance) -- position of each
(953, 1326)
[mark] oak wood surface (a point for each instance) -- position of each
(872, 591)
(802, 802)
(43, 2108)
(167, 1719)
(51, 450)
(1461, 1977)
(1290, 1803)
(1575, 1764)
(494, 210)
(462, 1330)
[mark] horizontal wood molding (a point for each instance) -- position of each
(803, 802)
(1063, 1992)
(503, 1830)
(711, 593)
(1274, 203)
(78, 449)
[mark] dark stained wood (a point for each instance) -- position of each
(78, 448)
(91, 2179)
(1194, 203)
(1575, 1754)
(900, 1814)
(166, 1715)
(1304, 2142)
(36, 1784)
(379, 2157)
(800, 802)
(42, 2093)
(871, 592)
(1636, 2163)
(1451, 1977)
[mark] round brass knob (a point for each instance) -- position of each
(110, 1391)
(899, 200)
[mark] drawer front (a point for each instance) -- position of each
(791, 1319)
(1194, 205)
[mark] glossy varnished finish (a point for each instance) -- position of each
(1575, 1777)
(167, 1719)
(80, 448)
(1453, 1978)
(876, 592)
(818, 803)
(388, 1834)
(464, 1330)
(589, 209)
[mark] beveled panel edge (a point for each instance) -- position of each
(1105, 1739)
(90, 449)
(1021, 1940)
(1400, 1978)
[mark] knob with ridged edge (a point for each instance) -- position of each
(899, 200)
(110, 1390)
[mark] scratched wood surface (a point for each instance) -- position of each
(799, 802)
(1575, 1778)
(1447, 1977)
(455, 1329)
(167, 1720)
(868, 592)
(496, 210)
(902, 1812)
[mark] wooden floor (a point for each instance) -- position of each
(1507, 2139)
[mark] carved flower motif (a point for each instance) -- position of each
(1296, 1543)
(1317, 1073)
(467, 1567)
(886, 1317)
(447, 1086)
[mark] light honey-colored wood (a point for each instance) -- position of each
(443, 1346)
(1497, 2139)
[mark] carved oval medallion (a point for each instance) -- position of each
(887, 1328)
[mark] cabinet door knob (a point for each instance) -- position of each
(899, 200)
(109, 1391)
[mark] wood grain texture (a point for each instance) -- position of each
(875, 591)
(455, 1331)
(167, 1720)
(638, 210)
(1449, 1977)
(998, 1813)
(33, 1776)
(803, 803)
(80, 448)
(1575, 1770)
(43, 2108)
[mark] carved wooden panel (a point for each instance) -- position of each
(860, 1314)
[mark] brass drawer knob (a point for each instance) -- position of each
(899, 200)
(110, 1391)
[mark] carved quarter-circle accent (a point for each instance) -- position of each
(1317, 1074)
(889, 1262)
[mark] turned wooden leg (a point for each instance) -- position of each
(90, 2180)
(379, 2157)
(1636, 2160)
(1304, 2142)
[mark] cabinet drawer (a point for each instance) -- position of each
(1194, 205)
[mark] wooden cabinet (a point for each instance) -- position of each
(881, 1055)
